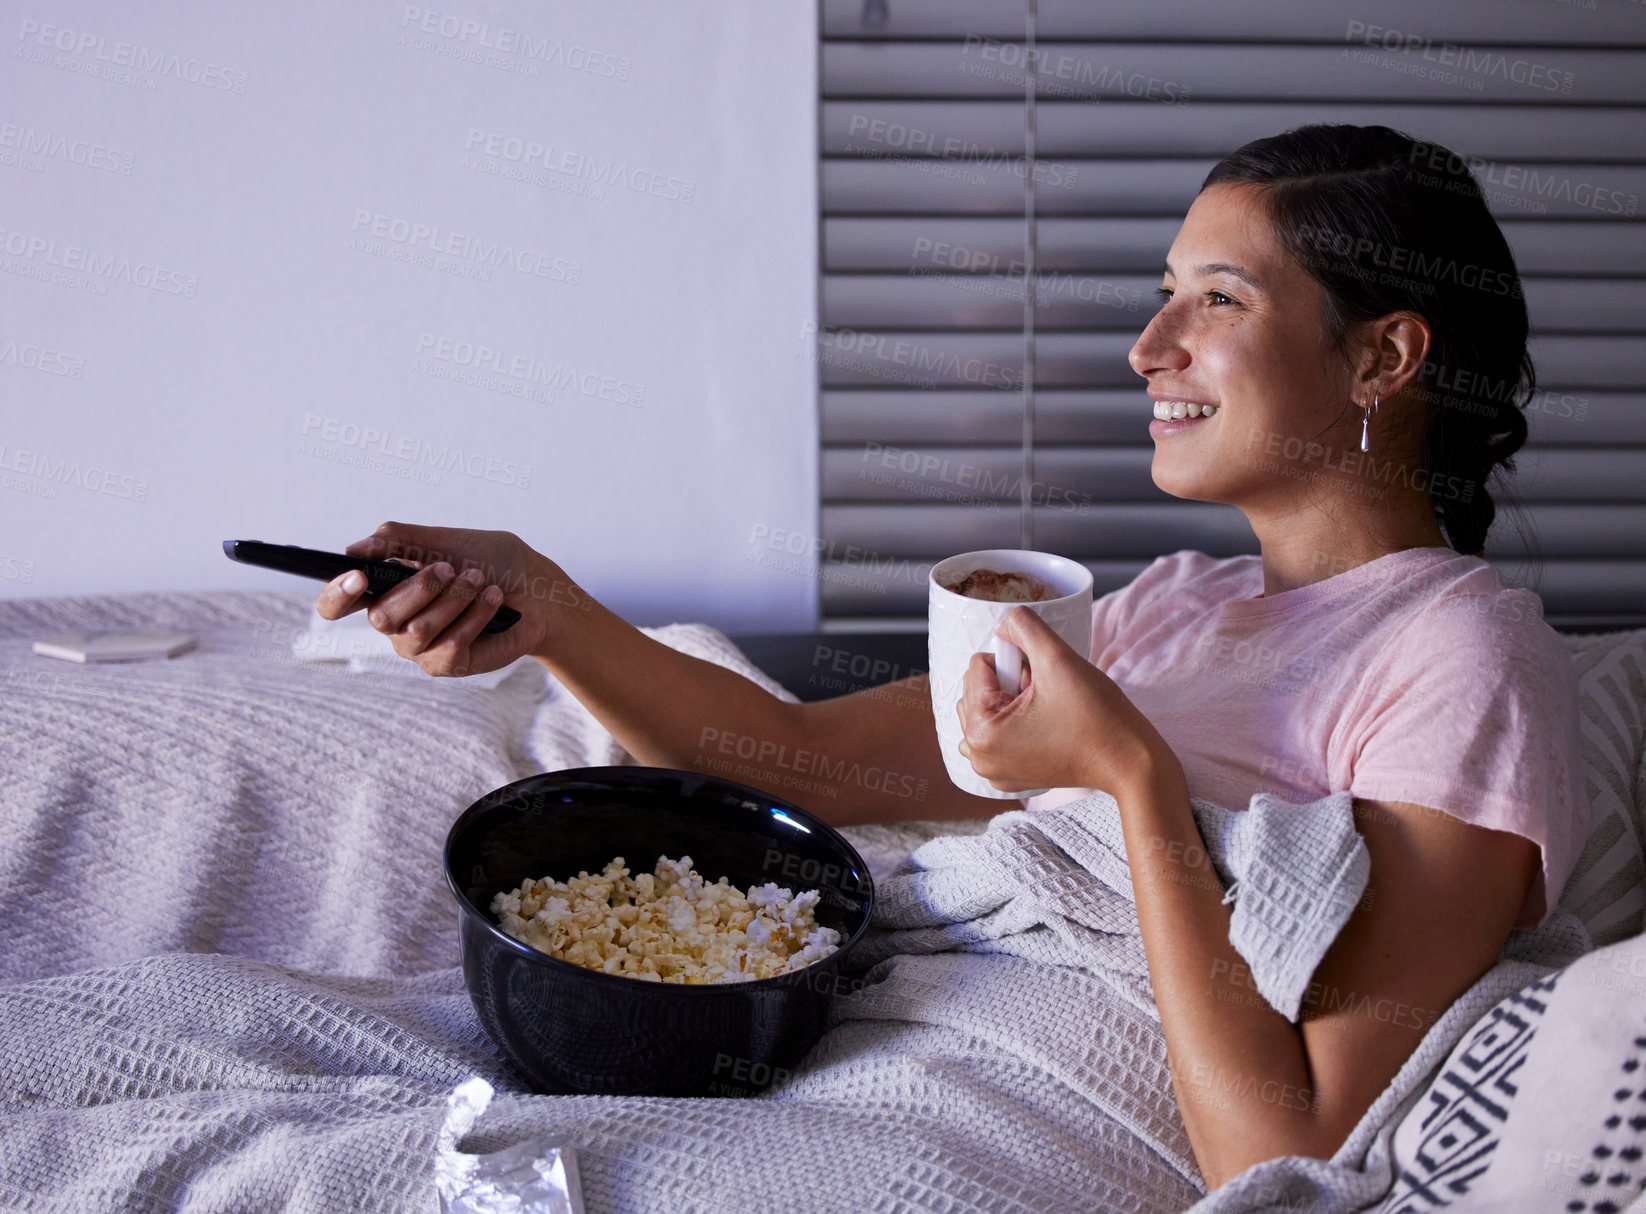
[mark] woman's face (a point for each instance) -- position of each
(1243, 328)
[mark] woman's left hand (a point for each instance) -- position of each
(1071, 726)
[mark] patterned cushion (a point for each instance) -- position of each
(1541, 1105)
(1607, 889)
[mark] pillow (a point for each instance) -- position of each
(1542, 1103)
(1607, 888)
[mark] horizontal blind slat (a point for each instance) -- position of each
(922, 360)
(1118, 186)
(1093, 359)
(1535, 22)
(1567, 531)
(1072, 477)
(1589, 361)
(1556, 417)
(1076, 478)
(884, 531)
(927, 296)
(1583, 588)
(1109, 245)
(963, 131)
(921, 297)
(1570, 589)
(1562, 474)
(1178, 74)
(1125, 529)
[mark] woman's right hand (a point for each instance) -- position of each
(463, 577)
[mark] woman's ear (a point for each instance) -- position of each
(1392, 350)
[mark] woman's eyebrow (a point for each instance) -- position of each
(1222, 267)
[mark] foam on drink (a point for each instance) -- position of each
(994, 586)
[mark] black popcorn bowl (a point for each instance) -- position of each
(569, 1029)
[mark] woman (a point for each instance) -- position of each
(1343, 337)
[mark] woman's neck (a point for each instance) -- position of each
(1303, 547)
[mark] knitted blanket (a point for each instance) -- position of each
(229, 964)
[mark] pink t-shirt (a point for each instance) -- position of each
(1415, 677)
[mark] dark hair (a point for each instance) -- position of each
(1387, 223)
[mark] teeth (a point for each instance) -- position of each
(1176, 410)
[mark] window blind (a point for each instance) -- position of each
(963, 195)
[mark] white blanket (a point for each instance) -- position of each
(229, 965)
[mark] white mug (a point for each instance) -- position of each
(960, 626)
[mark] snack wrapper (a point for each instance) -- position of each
(538, 1176)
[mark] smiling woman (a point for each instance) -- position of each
(1341, 355)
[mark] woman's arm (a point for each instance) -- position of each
(1438, 908)
(868, 757)
(1439, 905)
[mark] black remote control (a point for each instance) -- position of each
(381, 576)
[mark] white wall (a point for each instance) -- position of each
(187, 199)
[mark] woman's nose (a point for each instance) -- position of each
(1158, 347)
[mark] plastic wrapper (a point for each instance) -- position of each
(538, 1176)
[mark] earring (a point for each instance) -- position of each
(1366, 421)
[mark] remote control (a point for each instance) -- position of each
(381, 576)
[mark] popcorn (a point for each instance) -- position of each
(668, 925)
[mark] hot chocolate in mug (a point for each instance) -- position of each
(960, 626)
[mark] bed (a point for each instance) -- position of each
(228, 971)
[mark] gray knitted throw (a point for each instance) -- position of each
(229, 964)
